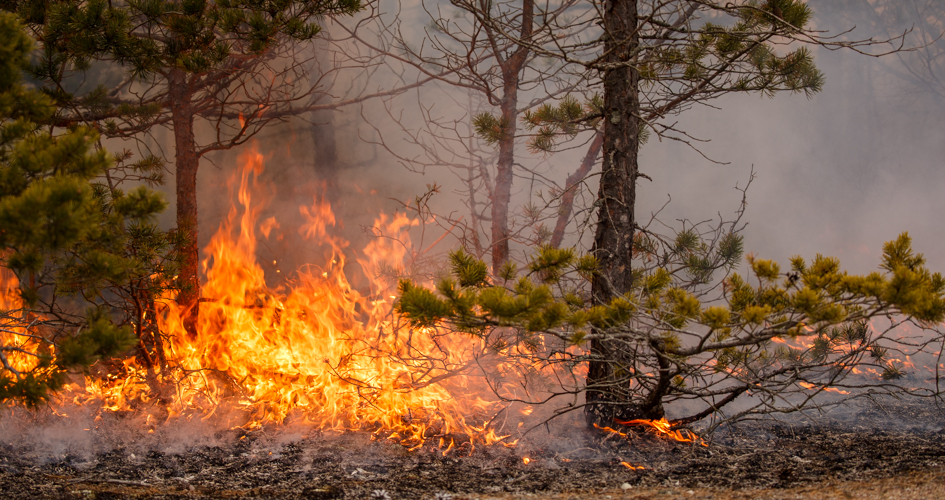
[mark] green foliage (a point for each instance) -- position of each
(551, 122)
(805, 329)
(551, 263)
(489, 128)
(469, 270)
(657, 281)
(101, 339)
(744, 44)
(731, 248)
(682, 306)
(151, 35)
(65, 233)
(509, 271)
(892, 372)
(765, 269)
(716, 317)
(421, 306)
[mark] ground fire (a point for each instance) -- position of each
(314, 351)
(318, 352)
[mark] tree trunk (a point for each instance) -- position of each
(187, 161)
(611, 368)
(502, 194)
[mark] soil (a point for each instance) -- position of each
(875, 451)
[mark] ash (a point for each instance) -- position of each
(866, 441)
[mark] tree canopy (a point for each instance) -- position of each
(65, 233)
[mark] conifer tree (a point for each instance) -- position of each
(212, 72)
(658, 59)
(655, 60)
(73, 241)
(776, 339)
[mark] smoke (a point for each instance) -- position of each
(837, 174)
(80, 433)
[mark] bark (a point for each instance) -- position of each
(187, 161)
(609, 371)
(502, 194)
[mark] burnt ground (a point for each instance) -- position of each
(893, 450)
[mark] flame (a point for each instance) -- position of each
(22, 344)
(315, 350)
(526, 460)
(811, 387)
(631, 467)
(664, 428)
(611, 430)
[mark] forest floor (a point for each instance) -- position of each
(808, 457)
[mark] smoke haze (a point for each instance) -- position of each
(838, 174)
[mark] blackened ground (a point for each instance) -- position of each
(869, 444)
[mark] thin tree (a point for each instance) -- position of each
(655, 60)
(659, 59)
(481, 54)
(214, 73)
(77, 253)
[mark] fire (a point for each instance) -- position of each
(526, 460)
(632, 467)
(811, 387)
(21, 347)
(314, 351)
(664, 428)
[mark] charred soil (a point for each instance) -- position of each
(862, 455)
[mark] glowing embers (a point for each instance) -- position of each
(313, 351)
(662, 428)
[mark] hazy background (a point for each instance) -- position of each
(837, 174)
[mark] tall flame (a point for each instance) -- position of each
(315, 350)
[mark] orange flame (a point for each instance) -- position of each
(664, 428)
(315, 351)
(22, 345)
(811, 387)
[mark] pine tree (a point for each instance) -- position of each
(71, 240)
(793, 334)
(230, 66)
(657, 59)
